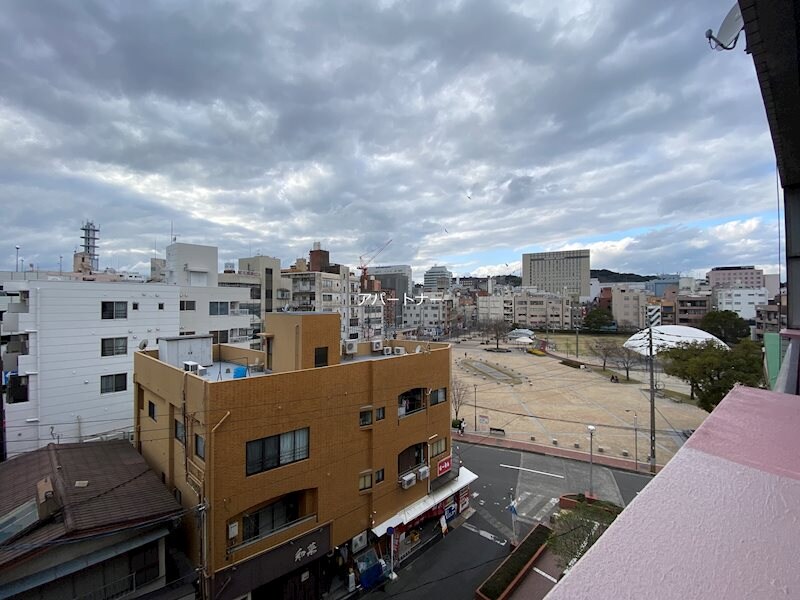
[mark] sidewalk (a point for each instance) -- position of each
(485, 439)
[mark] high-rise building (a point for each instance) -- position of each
(565, 272)
(741, 276)
(438, 277)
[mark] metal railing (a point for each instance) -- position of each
(284, 527)
(115, 589)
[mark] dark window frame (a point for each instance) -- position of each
(321, 357)
(199, 446)
(179, 431)
(151, 410)
(271, 452)
(113, 309)
(116, 346)
(380, 413)
(365, 417)
(438, 396)
(117, 382)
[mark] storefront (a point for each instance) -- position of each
(427, 518)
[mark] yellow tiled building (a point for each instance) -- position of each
(297, 452)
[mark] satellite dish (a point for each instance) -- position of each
(729, 30)
(143, 344)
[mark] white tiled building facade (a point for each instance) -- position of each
(71, 349)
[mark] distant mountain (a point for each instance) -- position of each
(606, 276)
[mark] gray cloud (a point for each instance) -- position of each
(266, 126)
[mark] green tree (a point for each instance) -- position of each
(712, 370)
(576, 530)
(726, 325)
(597, 319)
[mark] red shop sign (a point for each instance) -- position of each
(443, 466)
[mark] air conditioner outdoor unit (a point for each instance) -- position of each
(202, 371)
(424, 472)
(377, 345)
(190, 366)
(407, 480)
(351, 347)
(399, 350)
(387, 351)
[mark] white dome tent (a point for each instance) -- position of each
(669, 336)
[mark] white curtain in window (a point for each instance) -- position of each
(287, 447)
(301, 444)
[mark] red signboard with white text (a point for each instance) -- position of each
(443, 466)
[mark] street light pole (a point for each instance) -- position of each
(16, 262)
(591, 429)
(652, 405)
(475, 406)
(635, 438)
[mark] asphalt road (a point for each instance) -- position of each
(454, 567)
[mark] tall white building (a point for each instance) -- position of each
(566, 272)
(628, 307)
(206, 308)
(69, 358)
(528, 309)
(437, 277)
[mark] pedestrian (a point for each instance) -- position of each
(461, 426)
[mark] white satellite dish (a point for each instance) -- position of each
(143, 344)
(729, 30)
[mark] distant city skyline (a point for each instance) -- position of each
(468, 133)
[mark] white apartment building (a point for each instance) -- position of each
(564, 273)
(69, 359)
(742, 301)
(528, 309)
(433, 315)
(628, 307)
(315, 291)
(206, 308)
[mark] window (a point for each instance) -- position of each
(188, 305)
(135, 305)
(438, 447)
(217, 308)
(276, 450)
(364, 481)
(365, 417)
(272, 517)
(321, 357)
(114, 310)
(378, 476)
(180, 431)
(113, 383)
(113, 346)
(380, 413)
(186, 333)
(200, 446)
(151, 410)
(438, 396)
(160, 306)
(219, 337)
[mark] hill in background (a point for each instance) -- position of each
(606, 276)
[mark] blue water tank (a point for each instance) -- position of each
(239, 372)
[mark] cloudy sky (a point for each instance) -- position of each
(467, 132)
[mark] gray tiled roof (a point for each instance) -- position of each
(121, 492)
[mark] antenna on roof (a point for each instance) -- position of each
(729, 30)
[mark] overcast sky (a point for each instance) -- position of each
(466, 132)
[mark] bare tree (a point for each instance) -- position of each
(496, 329)
(626, 358)
(458, 395)
(604, 349)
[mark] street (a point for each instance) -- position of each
(458, 564)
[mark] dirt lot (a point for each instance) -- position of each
(536, 396)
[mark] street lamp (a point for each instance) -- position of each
(591, 429)
(475, 406)
(430, 439)
(635, 438)
(16, 262)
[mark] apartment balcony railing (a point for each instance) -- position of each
(238, 339)
(239, 312)
(231, 549)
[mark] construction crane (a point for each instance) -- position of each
(365, 259)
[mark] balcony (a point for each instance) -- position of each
(410, 402)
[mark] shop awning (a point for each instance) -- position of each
(412, 511)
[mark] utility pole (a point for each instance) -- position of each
(652, 403)
(476, 407)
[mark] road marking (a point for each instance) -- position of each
(545, 575)
(546, 509)
(533, 471)
(485, 534)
